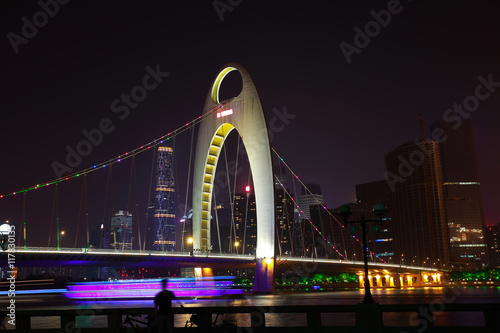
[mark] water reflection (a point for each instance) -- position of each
(382, 296)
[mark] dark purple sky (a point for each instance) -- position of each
(64, 79)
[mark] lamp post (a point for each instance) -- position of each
(62, 234)
(236, 244)
(379, 209)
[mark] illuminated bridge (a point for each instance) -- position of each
(242, 115)
(64, 257)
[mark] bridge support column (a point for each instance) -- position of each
(418, 283)
(263, 282)
(397, 281)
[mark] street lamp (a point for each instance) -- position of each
(100, 239)
(236, 244)
(5, 229)
(62, 234)
(379, 209)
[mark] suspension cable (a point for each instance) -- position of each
(52, 215)
(23, 219)
(231, 203)
(217, 223)
(321, 204)
(246, 217)
(149, 203)
(124, 156)
(309, 220)
(87, 209)
(187, 190)
(79, 211)
(106, 201)
(137, 210)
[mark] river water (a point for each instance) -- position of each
(483, 294)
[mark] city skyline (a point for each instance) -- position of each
(350, 113)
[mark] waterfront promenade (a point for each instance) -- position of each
(459, 309)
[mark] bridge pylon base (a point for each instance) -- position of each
(263, 282)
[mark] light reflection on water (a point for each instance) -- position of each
(382, 296)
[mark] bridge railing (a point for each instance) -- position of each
(413, 318)
(354, 262)
(33, 249)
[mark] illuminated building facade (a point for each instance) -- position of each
(284, 222)
(306, 235)
(165, 201)
(418, 210)
(382, 241)
(492, 234)
(245, 223)
(284, 214)
(121, 231)
(462, 191)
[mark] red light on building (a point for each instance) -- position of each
(247, 188)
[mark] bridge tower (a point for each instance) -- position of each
(245, 115)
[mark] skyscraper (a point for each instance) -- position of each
(382, 241)
(305, 236)
(284, 218)
(462, 191)
(121, 231)
(307, 199)
(415, 178)
(492, 234)
(165, 201)
(245, 223)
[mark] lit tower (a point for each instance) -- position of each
(165, 201)
(121, 230)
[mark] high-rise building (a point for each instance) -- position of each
(492, 234)
(462, 192)
(418, 212)
(165, 201)
(220, 228)
(380, 242)
(121, 231)
(245, 223)
(284, 220)
(309, 198)
(306, 236)
(150, 233)
(187, 232)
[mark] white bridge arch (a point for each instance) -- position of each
(245, 115)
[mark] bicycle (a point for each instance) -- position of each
(225, 326)
(137, 325)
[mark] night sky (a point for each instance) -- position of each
(344, 117)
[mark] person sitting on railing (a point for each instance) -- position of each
(163, 309)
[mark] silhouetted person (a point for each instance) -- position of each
(163, 309)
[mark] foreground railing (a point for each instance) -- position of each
(416, 318)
